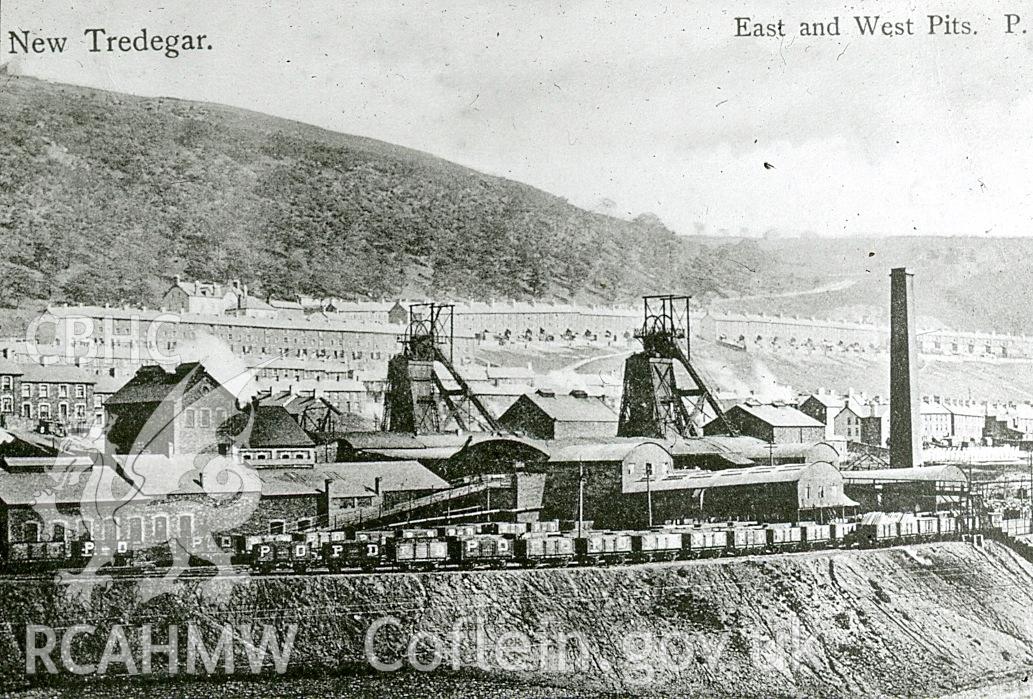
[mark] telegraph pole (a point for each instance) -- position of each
(649, 493)
(580, 497)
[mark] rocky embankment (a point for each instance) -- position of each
(926, 620)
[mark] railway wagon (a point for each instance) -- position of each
(415, 553)
(703, 543)
(380, 536)
(296, 555)
(511, 529)
(946, 525)
(784, 537)
(365, 555)
(907, 525)
(459, 530)
(602, 547)
(281, 555)
(969, 523)
(417, 534)
(37, 555)
(876, 528)
(928, 527)
(543, 549)
(549, 526)
(816, 535)
(746, 540)
(482, 550)
(843, 532)
(656, 546)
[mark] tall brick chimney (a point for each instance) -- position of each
(905, 425)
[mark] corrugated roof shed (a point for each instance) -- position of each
(599, 452)
(942, 474)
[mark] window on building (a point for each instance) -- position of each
(80, 411)
(26, 390)
(80, 390)
(98, 401)
(5, 383)
(161, 528)
(188, 417)
(62, 390)
(44, 411)
(304, 524)
(44, 390)
(6, 404)
(30, 531)
(26, 409)
(58, 532)
(205, 417)
(277, 526)
(186, 527)
(136, 529)
(62, 410)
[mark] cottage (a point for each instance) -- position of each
(823, 407)
(56, 392)
(10, 387)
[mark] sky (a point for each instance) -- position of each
(629, 107)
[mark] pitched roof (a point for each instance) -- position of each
(394, 475)
(152, 384)
(945, 473)
(255, 303)
(273, 426)
(55, 373)
(829, 401)
(9, 368)
(208, 290)
(568, 408)
(158, 476)
(109, 384)
(779, 415)
(614, 450)
(65, 485)
(357, 479)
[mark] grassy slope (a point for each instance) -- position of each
(89, 179)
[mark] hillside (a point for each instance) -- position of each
(103, 195)
(964, 283)
(910, 621)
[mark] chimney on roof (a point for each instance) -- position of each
(376, 485)
(579, 393)
(236, 283)
(177, 279)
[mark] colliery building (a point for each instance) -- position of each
(919, 489)
(776, 424)
(548, 415)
